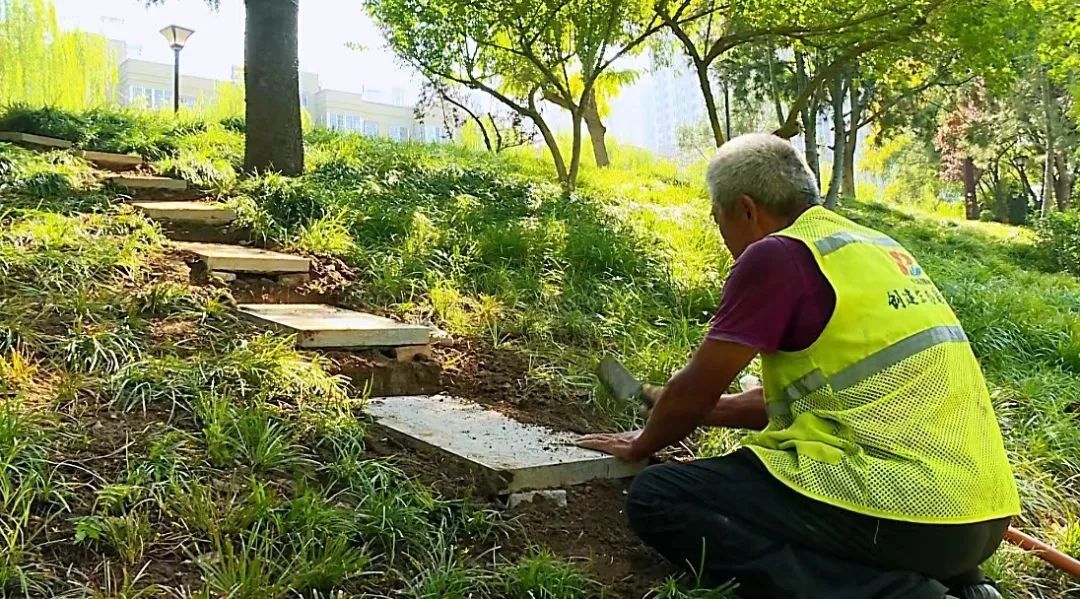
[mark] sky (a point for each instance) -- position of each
(326, 26)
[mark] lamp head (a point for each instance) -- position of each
(177, 36)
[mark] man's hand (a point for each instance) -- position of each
(620, 445)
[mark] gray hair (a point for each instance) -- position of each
(766, 168)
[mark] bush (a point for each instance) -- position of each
(987, 216)
(50, 122)
(1059, 241)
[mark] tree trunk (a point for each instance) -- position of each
(773, 91)
(1063, 183)
(575, 152)
(1048, 166)
(839, 135)
(275, 141)
(597, 130)
(971, 201)
(809, 121)
(856, 105)
(710, 102)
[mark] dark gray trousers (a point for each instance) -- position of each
(728, 518)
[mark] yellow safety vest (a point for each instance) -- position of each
(887, 413)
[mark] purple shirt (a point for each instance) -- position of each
(775, 298)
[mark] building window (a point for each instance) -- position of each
(304, 99)
(399, 133)
(371, 128)
(352, 123)
(336, 121)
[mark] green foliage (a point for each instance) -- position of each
(1059, 241)
(909, 172)
(152, 135)
(543, 576)
(67, 69)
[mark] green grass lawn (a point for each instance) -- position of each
(151, 442)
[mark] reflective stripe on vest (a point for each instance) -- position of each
(865, 368)
(828, 245)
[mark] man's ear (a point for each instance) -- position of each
(748, 207)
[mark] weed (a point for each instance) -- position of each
(443, 575)
(126, 535)
(543, 576)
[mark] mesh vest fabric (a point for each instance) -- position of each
(887, 412)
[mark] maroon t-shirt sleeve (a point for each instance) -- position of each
(775, 298)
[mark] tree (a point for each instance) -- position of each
(499, 129)
(598, 106)
(42, 65)
(275, 140)
(706, 30)
(520, 52)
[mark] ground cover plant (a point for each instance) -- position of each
(152, 444)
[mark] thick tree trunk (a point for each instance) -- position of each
(839, 135)
(971, 200)
(710, 103)
(597, 130)
(272, 83)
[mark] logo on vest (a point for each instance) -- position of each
(906, 264)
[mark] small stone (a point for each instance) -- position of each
(223, 278)
(557, 497)
(441, 338)
(294, 280)
(409, 353)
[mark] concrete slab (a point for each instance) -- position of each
(519, 456)
(237, 258)
(320, 325)
(144, 182)
(187, 212)
(110, 160)
(40, 141)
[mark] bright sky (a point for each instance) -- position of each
(218, 43)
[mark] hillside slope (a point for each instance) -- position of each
(177, 447)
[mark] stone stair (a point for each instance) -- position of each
(509, 455)
(223, 257)
(187, 212)
(36, 142)
(147, 182)
(111, 161)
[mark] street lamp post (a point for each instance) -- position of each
(177, 36)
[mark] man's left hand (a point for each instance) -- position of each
(620, 445)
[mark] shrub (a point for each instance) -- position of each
(987, 216)
(50, 122)
(1059, 241)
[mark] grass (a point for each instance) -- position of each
(143, 421)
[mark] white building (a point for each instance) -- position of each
(150, 84)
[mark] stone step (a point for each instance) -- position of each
(187, 212)
(135, 182)
(237, 258)
(324, 326)
(36, 141)
(112, 161)
(513, 455)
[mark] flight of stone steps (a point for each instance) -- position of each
(510, 455)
